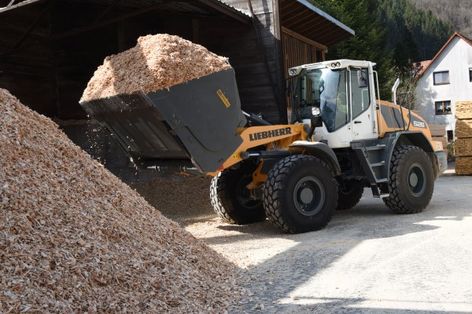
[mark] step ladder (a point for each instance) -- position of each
(374, 159)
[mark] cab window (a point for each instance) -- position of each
(359, 91)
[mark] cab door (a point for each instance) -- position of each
(362, 113)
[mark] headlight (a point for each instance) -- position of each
(293, 72)
(315, 111)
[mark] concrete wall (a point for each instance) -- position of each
(457, 59)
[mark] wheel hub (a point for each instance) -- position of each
(413, 180)
(309, 196)
(416, 180)
(306, 195)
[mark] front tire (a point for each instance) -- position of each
(411, 181)
(230, 198)
(349, 194)
(300, 194)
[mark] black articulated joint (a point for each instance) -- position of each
(349, 194)
(300, 194)
(411, 180)
(232, 200)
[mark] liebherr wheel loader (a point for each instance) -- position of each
(341, 139)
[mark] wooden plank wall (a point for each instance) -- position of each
(50, 72)
(221, 35)
(267, 93)
(298, 50)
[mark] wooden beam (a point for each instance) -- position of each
(304, 39)
(26, 34)
(12, 6)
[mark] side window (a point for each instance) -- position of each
(342, 110)
(360, 91)
(333, 100)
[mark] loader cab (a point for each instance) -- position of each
(340, 96)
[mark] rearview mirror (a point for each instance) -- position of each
(362, 78)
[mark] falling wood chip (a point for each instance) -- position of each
(74, 238)
(156, 62)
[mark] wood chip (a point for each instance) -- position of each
(156, 62)
(74, 238)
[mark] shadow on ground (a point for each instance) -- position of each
(282, 282)
(287, 278)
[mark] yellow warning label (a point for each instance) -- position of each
(223, 98)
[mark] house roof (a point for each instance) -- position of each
(304, 18)
(425, 65)
(421, 67)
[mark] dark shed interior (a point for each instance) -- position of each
(49, 49)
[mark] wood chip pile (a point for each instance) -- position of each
(463, 132)
(156, 62)
(74, 238)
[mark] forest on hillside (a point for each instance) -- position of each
(456, 12)
(394, 34)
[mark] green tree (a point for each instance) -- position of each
(392, 33)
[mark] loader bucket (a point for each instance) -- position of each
(197, 120)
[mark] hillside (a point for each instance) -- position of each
(456, 12)
(391, 33)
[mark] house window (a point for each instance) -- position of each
(441, 78)
(443, 107)
(450, 135)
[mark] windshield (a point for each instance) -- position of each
(326, 89)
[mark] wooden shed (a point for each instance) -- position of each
(50, 48)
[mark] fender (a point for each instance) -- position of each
(409, 138)
(320, 150)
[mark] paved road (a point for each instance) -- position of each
(366, 260)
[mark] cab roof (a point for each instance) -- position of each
(332, 64)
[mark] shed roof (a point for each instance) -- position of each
(304, 18)
(216, 5)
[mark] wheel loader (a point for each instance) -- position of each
(341, 139)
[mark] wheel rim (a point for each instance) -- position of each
(309, 196)
(243, 195)
(416, 180)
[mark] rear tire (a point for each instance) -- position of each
(300, 194)
(411, 181)
(231, 199)
(349, 194)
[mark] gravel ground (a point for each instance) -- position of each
(366, 260)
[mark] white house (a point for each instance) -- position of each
(445, 79)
